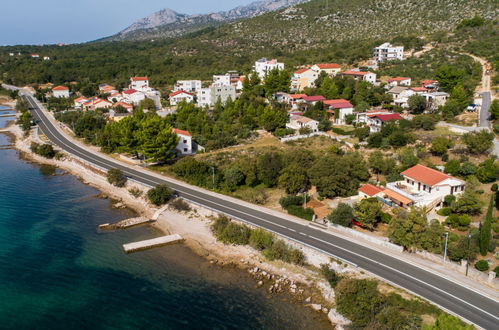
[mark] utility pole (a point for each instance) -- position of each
(468, 256)
(445, 248)
(213, 176)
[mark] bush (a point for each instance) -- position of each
(482, 265)
(386, 218)
(280, 251)
(235, 234)
(160, 195)
(116, 177)
(179, 205)
(496, 270)
(444, 211)
(287, 201)
(342, 215)
(298, 211)
(330, 275)
(495, 227)
(261, 239)
(494, 187)
(135, 192)
(449, 200)
(44, 150)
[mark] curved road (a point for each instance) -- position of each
(470, 305)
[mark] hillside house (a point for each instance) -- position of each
(115, 97)
(401, 95)
(96, 103)
(361, 75)
(35, 55)
(312, 100)
(231, 78)
(139, 83)
(209, 96)
(78, 103)
(185, 145)
(436, 99)
(296, 122)
(180, 96)
(127, 106)
(339, 108)
(399, 81)
(133, 96)
(369, 191)
(376, 122)
(419, 90)
(191, 86)
(430, 84)
(264, 66)
(60, 92)
(332, 69)
(387, 52)
(304, 78)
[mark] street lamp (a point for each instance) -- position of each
(445, 247)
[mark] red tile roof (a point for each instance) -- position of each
(139, 78)
(315, 98)
(338, 104)
(429, 82)
(419, 89)
(297, 96)
(325, 66)
(60, 88)
(389, 117)
(370, 190)
(396, 196)
(398, 79)
(81, 99)
(355, 73)
(180, 132)
(130, 91)
(123, 104)
(301, 71)
(425, 175)
(180, 92)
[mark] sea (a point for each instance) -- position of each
(58, 271)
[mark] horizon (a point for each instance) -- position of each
(110, 18)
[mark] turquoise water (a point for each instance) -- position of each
(58, 271)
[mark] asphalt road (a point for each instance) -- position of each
(485, 110)
(474, 307)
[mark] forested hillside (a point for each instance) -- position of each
(342, 31)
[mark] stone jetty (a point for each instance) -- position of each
(124, 224)
(152, 243)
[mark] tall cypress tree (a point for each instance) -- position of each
(485, 230)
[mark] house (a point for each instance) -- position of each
(127, 106)
(332, 69)
(430, 84)
(424, 187)
(401, 95)
(139, 83)
(185, 145)
(133, 96)
(104, 86)
(115, 97)
(209, 96)
(436, 99)
(419, 90)
(191, 86)
(361, 75)
(78, 103)
(34, 55)
(399, 81)
(179, 96)
(312, 100)
(369, 191)
(296, 122)
(60, 92)
(304, 78)
(46, 58)
(112, 115)
(107, 89)
(376, 122)
(340, 108)
(387, 52)
(97, 103)
(264, 66)
(240, 83)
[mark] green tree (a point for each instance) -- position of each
(440, 145)
(160, 195)
(417, 103)
(293, 178)
(453, 167)
(157, 140)
(342, 215)
(273, 118)
(486, 229)
(368, 212)
(116, 177)
(449, 76)
(494, 109)
(478, 142)
(468, 203)
(234, 177)
(269, 165)
(488, 171)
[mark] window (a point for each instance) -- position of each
(185, 149)
(185, 141)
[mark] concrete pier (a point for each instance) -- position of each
(152, 243)
(125, 223)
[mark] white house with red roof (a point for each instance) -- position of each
(304, 78)
(139, 83)
(35, 55)
(185, 145)
(127, 106)
(377, 121)
(296, 122)
(332, 69)
(340, 108)
(425, 186)
(78, 103)
(60, 92)
(369, 191)
(400, 81)
(312, 100)
(361, 75)
(97, 103)
(180, 96)
(133, 96)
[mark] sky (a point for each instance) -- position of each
(73, 21)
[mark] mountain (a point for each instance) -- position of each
(167, 23)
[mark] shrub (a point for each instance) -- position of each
(449, 200)
(255, 196)
(160, 195)
(330, 275)
(179, 205)
(494, 187)
(296, 257)
(298, 211)
(386, 218)
(482, 265)
(116, 177)
(135, 192)
(44, 150)
(219, 224)
(496, 270)
(287, 201)
(235, 234)
(261, 239)
(495, 227)
(342, 215)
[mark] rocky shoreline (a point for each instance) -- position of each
(304, 284)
